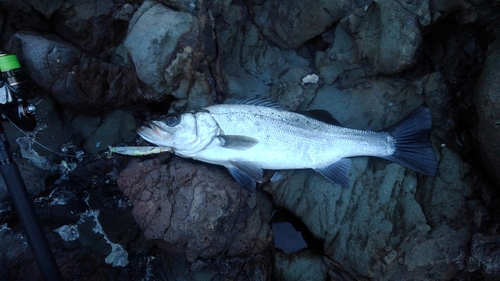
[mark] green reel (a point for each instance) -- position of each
(8, 62)
(15, 90)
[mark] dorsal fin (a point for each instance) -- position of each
(320, 115)
(256, 101)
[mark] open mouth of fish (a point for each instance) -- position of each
(153, 132)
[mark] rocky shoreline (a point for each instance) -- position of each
(104, 67)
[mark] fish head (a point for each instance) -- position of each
(186, 133)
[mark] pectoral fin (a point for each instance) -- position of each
(237, 142)
(246, 175)
(338, 172)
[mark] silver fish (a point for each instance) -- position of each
(254, 134)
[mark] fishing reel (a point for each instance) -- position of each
(15, 90)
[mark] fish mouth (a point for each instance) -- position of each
(153, 133)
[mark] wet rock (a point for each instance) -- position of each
(450, 5)
(14, 249)
(392, 223)
(34, 179)
(373, 98)
(76, 80)
(452, 42)
(342, 61)
(183, 5)
(254, 267)
(47, 8)
(98, 135)
(94, 26)
(299, 266)
(250, 66)
(388, 34)
(190, 210)
(487, 101)
(291, 24)
(167, 56)
(485, 255)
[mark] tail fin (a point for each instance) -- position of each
(413, 145)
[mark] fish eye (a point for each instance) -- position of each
(172, 120)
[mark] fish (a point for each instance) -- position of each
(252, 135)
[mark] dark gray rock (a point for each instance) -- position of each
(392, 223)
(451, 5)
(46, 7)
(251, 66)
(184, 5)
(299, 266)
(76, 80)
(290, 24)
(118, 127)
(342, 61)
(164, 47)
(485, 255)
(34, 178)
(487, 101)
(387, 33)
(200, 213)
(93, 25)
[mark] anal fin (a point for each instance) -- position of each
(338, 172)
(246, 175)
(243, 180)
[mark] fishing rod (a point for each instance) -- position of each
(15, 90)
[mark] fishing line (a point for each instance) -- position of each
(32, 139)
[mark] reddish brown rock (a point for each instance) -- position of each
(195, 210)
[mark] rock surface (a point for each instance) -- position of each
(487, 101)
(388, 34)
(103, 67)
(76, 80)
(290, 24)
(190, 210)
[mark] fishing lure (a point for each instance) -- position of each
(138, 150)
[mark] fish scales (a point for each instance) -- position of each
(247, 138)
(309, 142)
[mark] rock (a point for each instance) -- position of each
(34, 179)
(369, 103)
(164, 56)
(14, 248)
(449, 5)
(388, 34)
(368, 62)
(485, 255)
(392, 223)
(487, 102)
(118, 127)
(299, 266)
(290, 24)
(250, 66)
(182, 5)
(95, 26)
(341, 61)
(191, 210)
(76, 80)
(47, 8)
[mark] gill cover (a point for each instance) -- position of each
(185, 134)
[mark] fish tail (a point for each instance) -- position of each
(412, 141)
